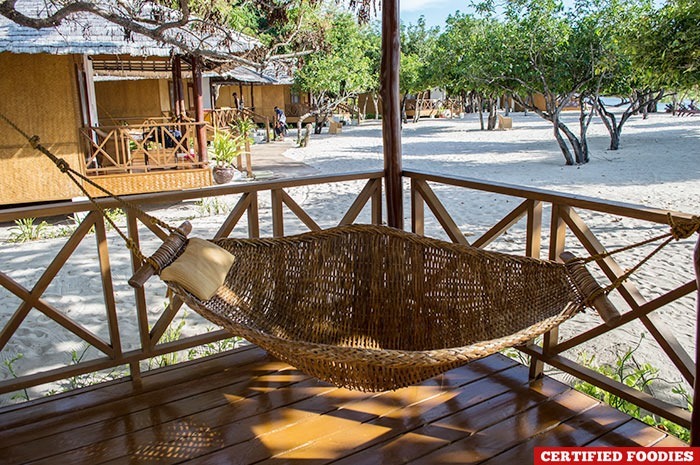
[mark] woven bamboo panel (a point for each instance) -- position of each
(39, 94)
(127, 99)
(154, 181)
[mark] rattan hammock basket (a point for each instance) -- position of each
(374, 308)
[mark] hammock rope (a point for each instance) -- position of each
(75, 176)
(679, 228)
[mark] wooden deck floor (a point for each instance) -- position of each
(245, 407)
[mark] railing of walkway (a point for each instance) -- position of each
(571, 227)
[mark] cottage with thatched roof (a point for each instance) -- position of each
(111, 102)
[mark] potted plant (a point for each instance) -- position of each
(226, 149)
(244, 128)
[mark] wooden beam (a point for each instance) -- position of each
(695, 418)
(199, 109)
(178, 99)
(391, 115)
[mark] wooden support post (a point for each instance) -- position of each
(417, 210)
(178, 96)
(391, 115)
(199, 109)
(695, 418)
(556, 247)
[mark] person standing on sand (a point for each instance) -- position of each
(280, 124)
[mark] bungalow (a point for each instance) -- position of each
(112, 104)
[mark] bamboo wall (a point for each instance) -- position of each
(126, 99)
(38, 93)
(263, 97)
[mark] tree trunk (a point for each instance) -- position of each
(375, 101)
(492, 102)
(418, 108)
(640, 100)
(404, 118)
(481, 111)
(562, 145)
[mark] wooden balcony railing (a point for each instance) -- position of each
(140, 147)
(569, 228)
(580, 224)
(223, 118)
(109, 344)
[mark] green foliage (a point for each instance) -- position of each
(25, 230)
(640, 376)
(212, 206)
(665, 45)
(213, 348)
(245, 127)
(341, 68)
(226, 148)
(10, 367)
(417, 44)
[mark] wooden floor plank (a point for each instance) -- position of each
(634, 433)
(252, 364)
(458, 425)
(579, 430)
(512, 431)
(47, 408)
(394, 413)
(242, 404)
(60, 410)
(244, 407)
(118, 422)
(670, 441)
(358, 408)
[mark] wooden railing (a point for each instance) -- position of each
(517, 223)
(114, 301)
(140, 148)
(223, 118)
(428, 107)
(569, 228)
(296, 110)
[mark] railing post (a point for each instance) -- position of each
(556, 247)
(277, 213)
(199, 109)
(417, 210)
(534, 229)
(391, 116)
(695, 418)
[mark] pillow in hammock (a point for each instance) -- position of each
(201, 269)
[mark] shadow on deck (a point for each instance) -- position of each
(245, 407)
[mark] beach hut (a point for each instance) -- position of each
(113, 104)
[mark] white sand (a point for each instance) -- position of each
(657, 166)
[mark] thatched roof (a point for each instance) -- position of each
(242, 74)
(86, 33)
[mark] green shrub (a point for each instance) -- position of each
(25, 230)
(627, 370)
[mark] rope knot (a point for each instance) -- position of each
(34, 140)
(683, 229)
(62, 165)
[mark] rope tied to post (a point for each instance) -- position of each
(77, 177)
(680, 229)
(683, 229)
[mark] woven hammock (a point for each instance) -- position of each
(375, 308)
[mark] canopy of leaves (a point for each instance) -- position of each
(341, 67)
(666, 45)
(417, 71)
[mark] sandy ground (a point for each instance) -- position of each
(657, 166)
